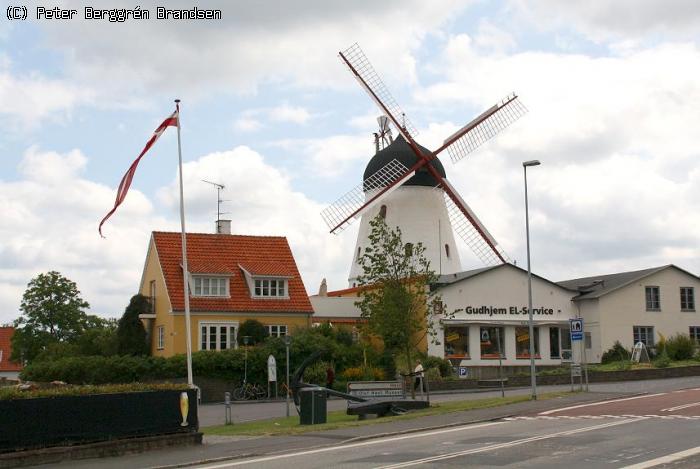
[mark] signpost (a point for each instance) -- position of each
(463, 372)
(578, 335)
(376, 389)
(271, 374)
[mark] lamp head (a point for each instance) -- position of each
(287, 340)
(531, 163)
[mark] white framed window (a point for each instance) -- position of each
(210, 286)
(161, 337)
(643, 334)
(217, 336)
(277, 330)
(653, 299)
(687, 299)
(694, 332)
(270, 288)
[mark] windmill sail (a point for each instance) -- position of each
(354, 203)
(483, 128)
(368, 78)
(471, 236)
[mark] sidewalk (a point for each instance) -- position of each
(213, 414)
(217, 448)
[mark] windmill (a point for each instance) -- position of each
(382, 182)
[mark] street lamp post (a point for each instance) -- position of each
(287, 343)
(246, 340)
(533, 376)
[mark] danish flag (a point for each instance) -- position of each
(124, 185)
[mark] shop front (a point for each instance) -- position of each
(484, 320)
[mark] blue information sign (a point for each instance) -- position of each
(576, 328)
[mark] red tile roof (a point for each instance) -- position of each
(221, 253)
(6, 349)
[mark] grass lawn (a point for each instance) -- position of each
(339, 419)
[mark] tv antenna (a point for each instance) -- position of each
(219, 200)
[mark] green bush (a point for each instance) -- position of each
(228, 365)
(253, 329)
(663, 361)
(443, 366)
(14, 393)
(615, 353)
(680, 347)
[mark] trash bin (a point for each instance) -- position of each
(312, 406)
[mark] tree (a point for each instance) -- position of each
(253, 329)
(131, 335)
(396, 300)
(52, 312)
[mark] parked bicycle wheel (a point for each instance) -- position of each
(260, 392)
(240, 394)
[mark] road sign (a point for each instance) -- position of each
(271, 369)
(463, 372)
(576, 328)
(576, 370)
(376, 389)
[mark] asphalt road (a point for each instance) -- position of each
(655, 430)
(213, 414)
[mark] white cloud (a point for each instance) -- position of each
(247, 124)
(50, 219)
(294, 43)
(603, 21)
(287, 113)
(29, 99)
(330, 157)
(616, 135)
(50, 223)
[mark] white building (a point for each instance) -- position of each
(637, 306)
(484, 305)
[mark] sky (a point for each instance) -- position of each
(269, 111)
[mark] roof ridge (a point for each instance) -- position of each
(219, 234)
(588, 277)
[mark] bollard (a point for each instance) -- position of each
(227, 406)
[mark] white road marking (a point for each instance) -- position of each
(351, 445)
(679, 407)
(665, 459)
(509, 444)
(613, 401)
(599, 417)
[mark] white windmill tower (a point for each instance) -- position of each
(417, 207)
(406, 183)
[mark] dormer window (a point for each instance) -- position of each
(270, 288)
(210, 286)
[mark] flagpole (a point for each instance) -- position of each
(185, 272)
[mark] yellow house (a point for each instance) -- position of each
(232, 278)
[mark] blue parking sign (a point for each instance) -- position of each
(576, 328)
(463, 372)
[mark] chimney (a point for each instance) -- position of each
(323, 289)
(223, 227)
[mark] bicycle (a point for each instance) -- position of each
(247, 391)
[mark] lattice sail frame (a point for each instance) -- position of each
(482, 129)
(471, 236)
(377, 89)
(340, 214)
